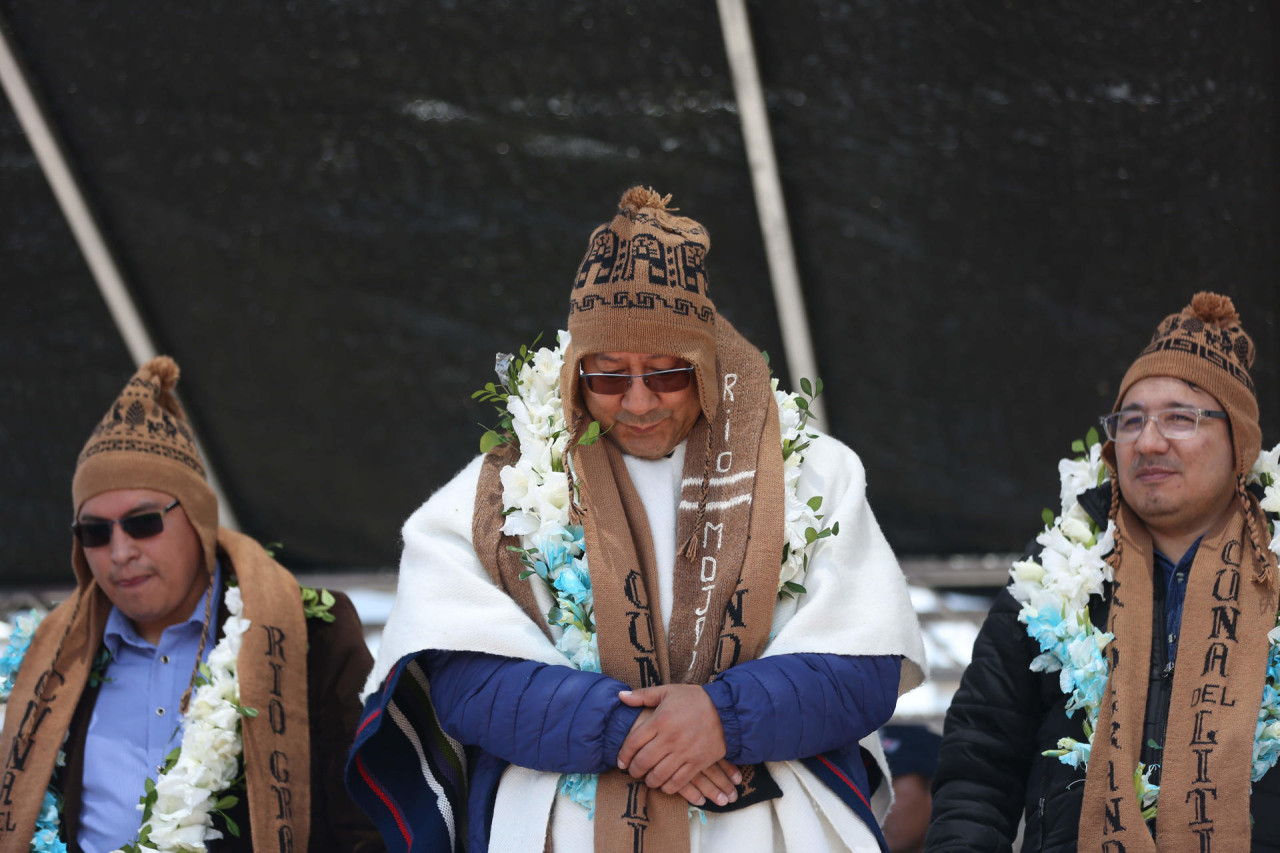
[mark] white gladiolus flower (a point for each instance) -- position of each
(1076, 524)
(1268, 464)
(1027, 571)
(788, 413)
(1078, 476)
(1271, 498)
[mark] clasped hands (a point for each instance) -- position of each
(677, 744)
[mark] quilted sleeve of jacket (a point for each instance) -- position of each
(840, 699)
(337, 663)
(552, 718)
(989, 741)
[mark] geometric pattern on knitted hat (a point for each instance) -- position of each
(147, 418)
(642, 287)
(1208, 328)
(646, 258)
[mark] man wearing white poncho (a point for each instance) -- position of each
(786, 630)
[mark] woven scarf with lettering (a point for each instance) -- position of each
(1213, 708)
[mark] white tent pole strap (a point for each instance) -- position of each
(767, 186)
(87, 234)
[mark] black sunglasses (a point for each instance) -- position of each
(659, 381)
(95, 534)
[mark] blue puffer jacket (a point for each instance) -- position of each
(558, 719)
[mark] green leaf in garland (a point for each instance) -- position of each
(1077, 446)
(591, 435)
(489, 441)
(1047, 515)
(806, 386)
(792, 586)
(98, 671)
(815, 503)
(232, 826)
(1091, 437)
(317, 604)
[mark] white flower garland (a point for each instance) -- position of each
(535, 500)
(1054, 591)
(178, 807)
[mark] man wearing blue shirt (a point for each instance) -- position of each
(185, 670)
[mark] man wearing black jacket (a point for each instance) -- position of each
(1142, 614)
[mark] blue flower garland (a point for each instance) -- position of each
(23, 628)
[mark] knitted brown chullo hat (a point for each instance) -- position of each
(642, 287)
(1205, 345)
(143, 442)
(1232, 578)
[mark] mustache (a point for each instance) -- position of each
(1142, 463)
(647, 419)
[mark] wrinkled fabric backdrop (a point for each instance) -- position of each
(334, 214)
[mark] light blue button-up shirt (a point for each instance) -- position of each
(136, 721)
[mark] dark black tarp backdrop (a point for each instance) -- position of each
(334, 214)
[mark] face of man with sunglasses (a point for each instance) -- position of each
(641, 421)
(155, 580)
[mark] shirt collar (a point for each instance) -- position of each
(120, 628)
(1183, 564)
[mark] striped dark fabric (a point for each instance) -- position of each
(404, 771)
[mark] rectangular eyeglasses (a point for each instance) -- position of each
(1175, 424)
(95, 534)
(659, 381)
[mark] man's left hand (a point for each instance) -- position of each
(682, 738)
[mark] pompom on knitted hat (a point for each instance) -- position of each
(144, 442)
